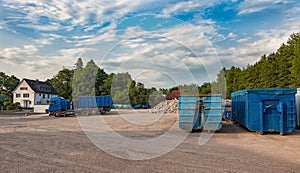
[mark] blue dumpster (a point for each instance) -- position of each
(227, 114)
(189, 115)
(298, 107)
(265, 110)
(200, 112)
(212, 117)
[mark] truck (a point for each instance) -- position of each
(58, 106)
(81, 105)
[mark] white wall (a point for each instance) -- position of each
(38, 98)
(21, 99)
(40, 108)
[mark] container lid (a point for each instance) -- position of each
(266, 91)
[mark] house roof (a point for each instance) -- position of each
(40, 86)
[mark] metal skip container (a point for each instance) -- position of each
(298, 106)
(200, 112)
(265, 110)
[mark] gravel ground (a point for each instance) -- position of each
(39, 143)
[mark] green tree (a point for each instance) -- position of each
(276, 70)
(105, 89)
(219, 86)
(205, 88)
(7, 85)
(79, 64)
(120, 88)
(87, 81)
(62, 83)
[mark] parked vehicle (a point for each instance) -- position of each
(265, 110)
(59, 106)
(82, 105)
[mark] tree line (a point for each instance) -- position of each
(91, 80)
(280, 69)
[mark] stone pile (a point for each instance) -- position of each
(168, 106)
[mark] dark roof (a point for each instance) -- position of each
(40, 86)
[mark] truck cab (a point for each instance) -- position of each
(58, 106)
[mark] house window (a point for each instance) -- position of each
(40, 94)
(23, 88)
(48, 96)
(18, 95)
(26, 95)
(43, 96)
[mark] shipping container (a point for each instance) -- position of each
(265, 110)
(200, 112)
(298, 107)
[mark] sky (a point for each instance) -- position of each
(160, 43)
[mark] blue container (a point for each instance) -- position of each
(200, 112)
(94, 102)
(265, 110)
(137, 107)
(298, 106)
(189, 115)
(211, 119)
(145, 106)
(227, 113)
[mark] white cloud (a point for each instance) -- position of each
(181, 52)
(78, 12)
(230, 35)
(104, 34)
(17, 53)
(43, 41)
(249, 52)
(242, 40)
(50, 27)
(4, 26)
(252, 6)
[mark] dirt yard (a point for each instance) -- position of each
(39, 143)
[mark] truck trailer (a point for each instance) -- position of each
(82, 105)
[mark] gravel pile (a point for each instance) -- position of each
(168, 106)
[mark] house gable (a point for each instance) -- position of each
(33, 92)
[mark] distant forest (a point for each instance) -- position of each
(277, 70)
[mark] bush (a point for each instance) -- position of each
(11, 106)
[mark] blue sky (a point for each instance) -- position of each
(160, 43)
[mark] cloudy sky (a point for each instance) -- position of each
(160, 43)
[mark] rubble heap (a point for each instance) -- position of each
(168, 106)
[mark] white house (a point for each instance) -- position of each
(33, 93)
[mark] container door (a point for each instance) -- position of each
(272, 115)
